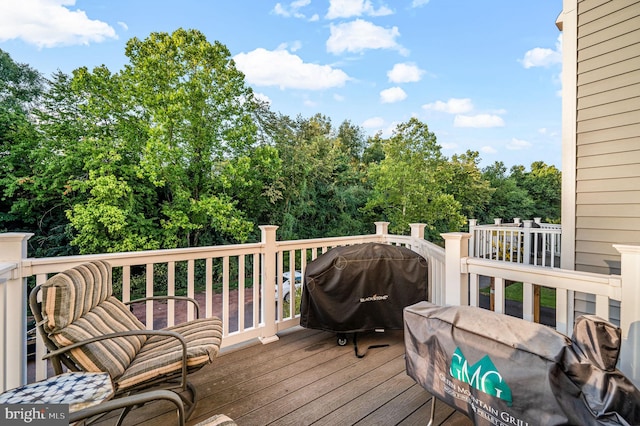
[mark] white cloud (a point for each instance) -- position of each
(488, 150)
(280, 68)
(418, 3)
(392, 95)
(374, 123)
(478, 121)
(349, 8)
(49, 23)
(452, 106)
(262, 97)
(309, 103)
(359, 35)
(123, 25)
(543, 57)
(338, 98)
(405, 73)
(518, 144)
(293, 46)
(293, 9)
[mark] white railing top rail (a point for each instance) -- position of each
(5, 269)
(498, 223)
(586, 282)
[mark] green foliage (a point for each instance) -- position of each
(408, 185)
(174, 150)
(323, 183)
(523, 194)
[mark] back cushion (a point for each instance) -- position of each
(69, 295)
(78, 305)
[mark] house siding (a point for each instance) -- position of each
(607, 134)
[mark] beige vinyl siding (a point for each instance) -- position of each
(607, 136)
(608, 132)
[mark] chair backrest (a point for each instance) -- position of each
(78, 304)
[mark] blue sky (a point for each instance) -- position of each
(483, 75)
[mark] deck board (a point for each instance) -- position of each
(305, 378)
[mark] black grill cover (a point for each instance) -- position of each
(501, 370)
(362, 287)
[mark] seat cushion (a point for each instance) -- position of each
(109, 355)
(162, 356)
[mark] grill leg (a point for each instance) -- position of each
(433, 411)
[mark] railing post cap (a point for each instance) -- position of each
(382, 228)
(15, 236)
(627, 248)
(456, 235)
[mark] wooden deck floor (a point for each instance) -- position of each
(306, 378)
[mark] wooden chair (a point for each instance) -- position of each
(86, 328)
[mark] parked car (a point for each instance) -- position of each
(286, 284)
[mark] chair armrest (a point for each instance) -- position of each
(166, 333)
(187, 299)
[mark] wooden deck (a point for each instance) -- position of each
(306, 378)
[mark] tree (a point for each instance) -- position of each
(199, 113)
(323, 183)
(406, 184)
(544, 185)
(91, 155)
(462, 178)
(145, 149)
(24, 203)
(508, 200)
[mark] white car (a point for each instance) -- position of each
(286, 284)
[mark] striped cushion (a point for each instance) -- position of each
(109, 355)
(163, 355)
(69, 295)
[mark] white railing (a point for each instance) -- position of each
(235, 282)
(238, 283)
(463, 274)
(529, 242)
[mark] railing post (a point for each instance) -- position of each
(270, 329)
(526, 241)
(472, 241)
(630, 311)
(456, 290)
(417, 230)
(382, 228)
(13, 305)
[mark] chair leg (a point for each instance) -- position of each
(189, 400)
(129, 402)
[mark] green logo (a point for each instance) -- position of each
(483, 376)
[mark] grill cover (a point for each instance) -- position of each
(502, 370)
(362, 287)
